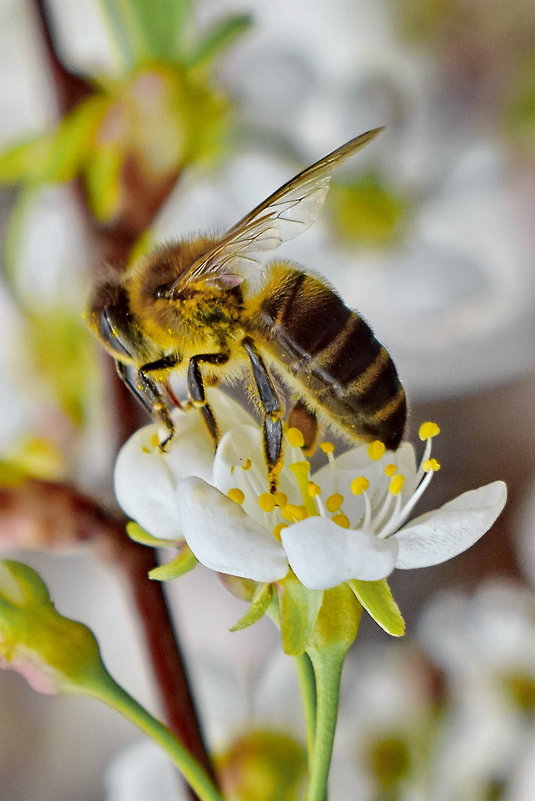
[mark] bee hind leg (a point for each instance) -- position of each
(272, 413)
(197, 390)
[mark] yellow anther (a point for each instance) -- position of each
(359, 485)
(155, 440)
(341, 520)
(247, 465)
(294, 513)
(313, 489)
(390, 470)
(295, 438)
(145, 450)
(396, 484)
(327, 447)
(235, 494)
(376, 450)
(281, 498)
(428, 431)
(277, 530)
(334, 502)
(267, 502)
(431, 466)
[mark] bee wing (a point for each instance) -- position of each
(285, 214)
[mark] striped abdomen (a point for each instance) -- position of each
(332, 353)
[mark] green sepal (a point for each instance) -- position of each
(138, 534)
(377, 599)
(259, 604)
(56, 156)
(181, 564)
(218, 38)
(298, 611)
(25, 160)
(338, 620)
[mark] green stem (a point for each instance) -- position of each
(112, 694)
(307, 685)
(327, 663)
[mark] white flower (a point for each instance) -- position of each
(485, 644)
(347, 521)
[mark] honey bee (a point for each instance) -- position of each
(212, 308)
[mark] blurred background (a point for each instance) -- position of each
(124, 124)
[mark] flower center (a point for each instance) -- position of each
(384, 498)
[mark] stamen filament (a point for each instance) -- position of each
(394, 523)
(413, 500)
(367, 510)
(425, 457)
(383, 511)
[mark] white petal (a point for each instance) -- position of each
(323, 555)
(191, 451)
(144, 486)
(224, 538)
(450, 530)
(228, 411)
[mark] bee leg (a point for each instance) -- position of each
(305, 420)
(197, 391)
(154, 398)
(272, 412)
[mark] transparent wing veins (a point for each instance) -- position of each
(244, 248)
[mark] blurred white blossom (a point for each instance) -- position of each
(486, 647)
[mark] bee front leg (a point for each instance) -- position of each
(197, 391)
(153, 398)
(272, 412)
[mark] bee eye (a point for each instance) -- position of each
(162, 292)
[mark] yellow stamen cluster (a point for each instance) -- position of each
(383, 516)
